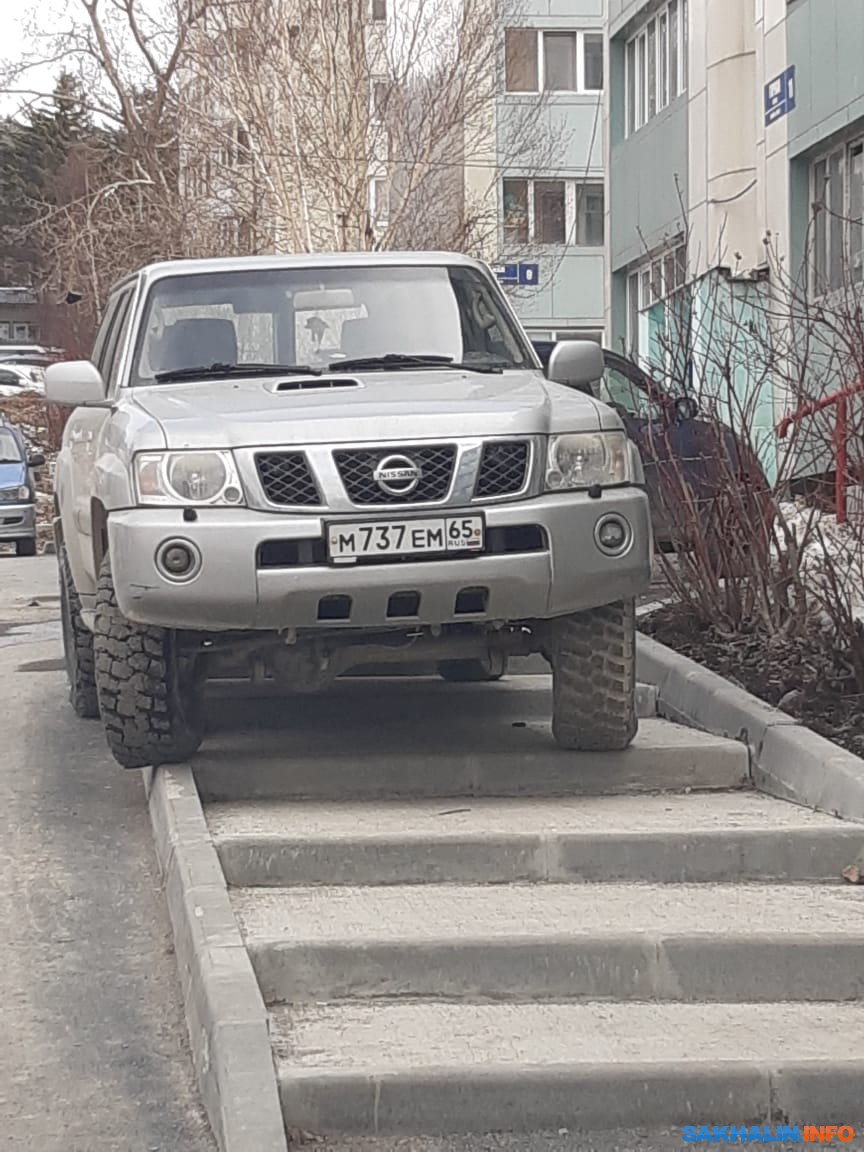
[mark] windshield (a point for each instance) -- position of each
(10, 453)
(322, 316)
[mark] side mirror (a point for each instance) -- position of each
(576, 364)
(36, 460)
(74, 384)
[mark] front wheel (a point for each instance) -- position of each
(151, 697)
(77, 645)
(593, 658)
(25, 547)
(480, 671)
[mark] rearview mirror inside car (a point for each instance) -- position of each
(576, 364)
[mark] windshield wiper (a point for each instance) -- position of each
(226, 371)
(394, 361)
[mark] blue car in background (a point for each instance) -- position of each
(17, 490)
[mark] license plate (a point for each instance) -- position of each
(349, 542)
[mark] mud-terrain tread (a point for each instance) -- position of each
(470, 671)
(149, 718)
(77, 645)
(593, 656)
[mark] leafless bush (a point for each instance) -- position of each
(753, 546)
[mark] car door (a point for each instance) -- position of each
(81, 438)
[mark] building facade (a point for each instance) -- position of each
(548, 158)
(734, 135)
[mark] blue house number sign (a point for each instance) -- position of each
(528, 275)
(779, 96)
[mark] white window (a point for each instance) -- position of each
(838, 206)
(380, 97)
(21, 331)
(659, 278)
(5, 330)
(539, 60)
(379, 200)
(656, 64)
(552, 211)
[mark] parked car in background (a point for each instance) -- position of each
(686, 454)
(17, 490)
(16, 378)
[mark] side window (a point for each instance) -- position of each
(114, 343)
(9, 378)
(623, 394)
(98, 353)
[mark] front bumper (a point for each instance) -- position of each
(17, 521)
(237, 588)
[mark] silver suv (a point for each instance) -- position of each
(292, 467)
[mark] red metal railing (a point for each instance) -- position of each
(840, 400)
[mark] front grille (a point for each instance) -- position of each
(286, 479)
(357, 465)
(503, 468)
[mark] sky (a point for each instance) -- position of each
(15, 44)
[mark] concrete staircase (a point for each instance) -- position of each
(459, 928)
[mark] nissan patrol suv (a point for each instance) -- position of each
(292, 467)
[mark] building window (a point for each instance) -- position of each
(380, 96)
(838, 207)
(379, 200)
(589, 215)
(552, 211)
(658, 279)
(379, 10)
(515, 196)
(656, 64)
(536, 60)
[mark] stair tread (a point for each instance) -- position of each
(421, 1036)
(712, 812)
(413, 914)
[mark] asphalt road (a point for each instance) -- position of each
(94, 1054)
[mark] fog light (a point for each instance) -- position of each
(612, 534)
(178, 560)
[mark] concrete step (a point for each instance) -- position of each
(535, 690)
(719, 942)
(670, 838)
(365, 748)
(430, 1068)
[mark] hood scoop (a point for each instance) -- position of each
(316, 384)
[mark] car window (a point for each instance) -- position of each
(116, 339)
(10, 378)
(10, 449)
(623, 393)
(98, 353)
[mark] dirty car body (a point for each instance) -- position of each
(304, 464)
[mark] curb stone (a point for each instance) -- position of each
(225, 1013)
(787, 759)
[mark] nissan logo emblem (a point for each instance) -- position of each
(397, 475)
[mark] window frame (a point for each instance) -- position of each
(667, 62)
(379, 219)
(540, 62)
(827, 223)
(575, 195)
(649, 280)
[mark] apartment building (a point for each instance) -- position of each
(735, 142)
(548, 157)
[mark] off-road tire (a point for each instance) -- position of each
(593, 658)
(483, 671)
(25, 547)
(77, 645)
(151, 700)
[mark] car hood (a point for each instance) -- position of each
(380, 406)
(12, 475)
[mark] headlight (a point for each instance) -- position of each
(187, 478)
(10, 494)
(583, 459)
